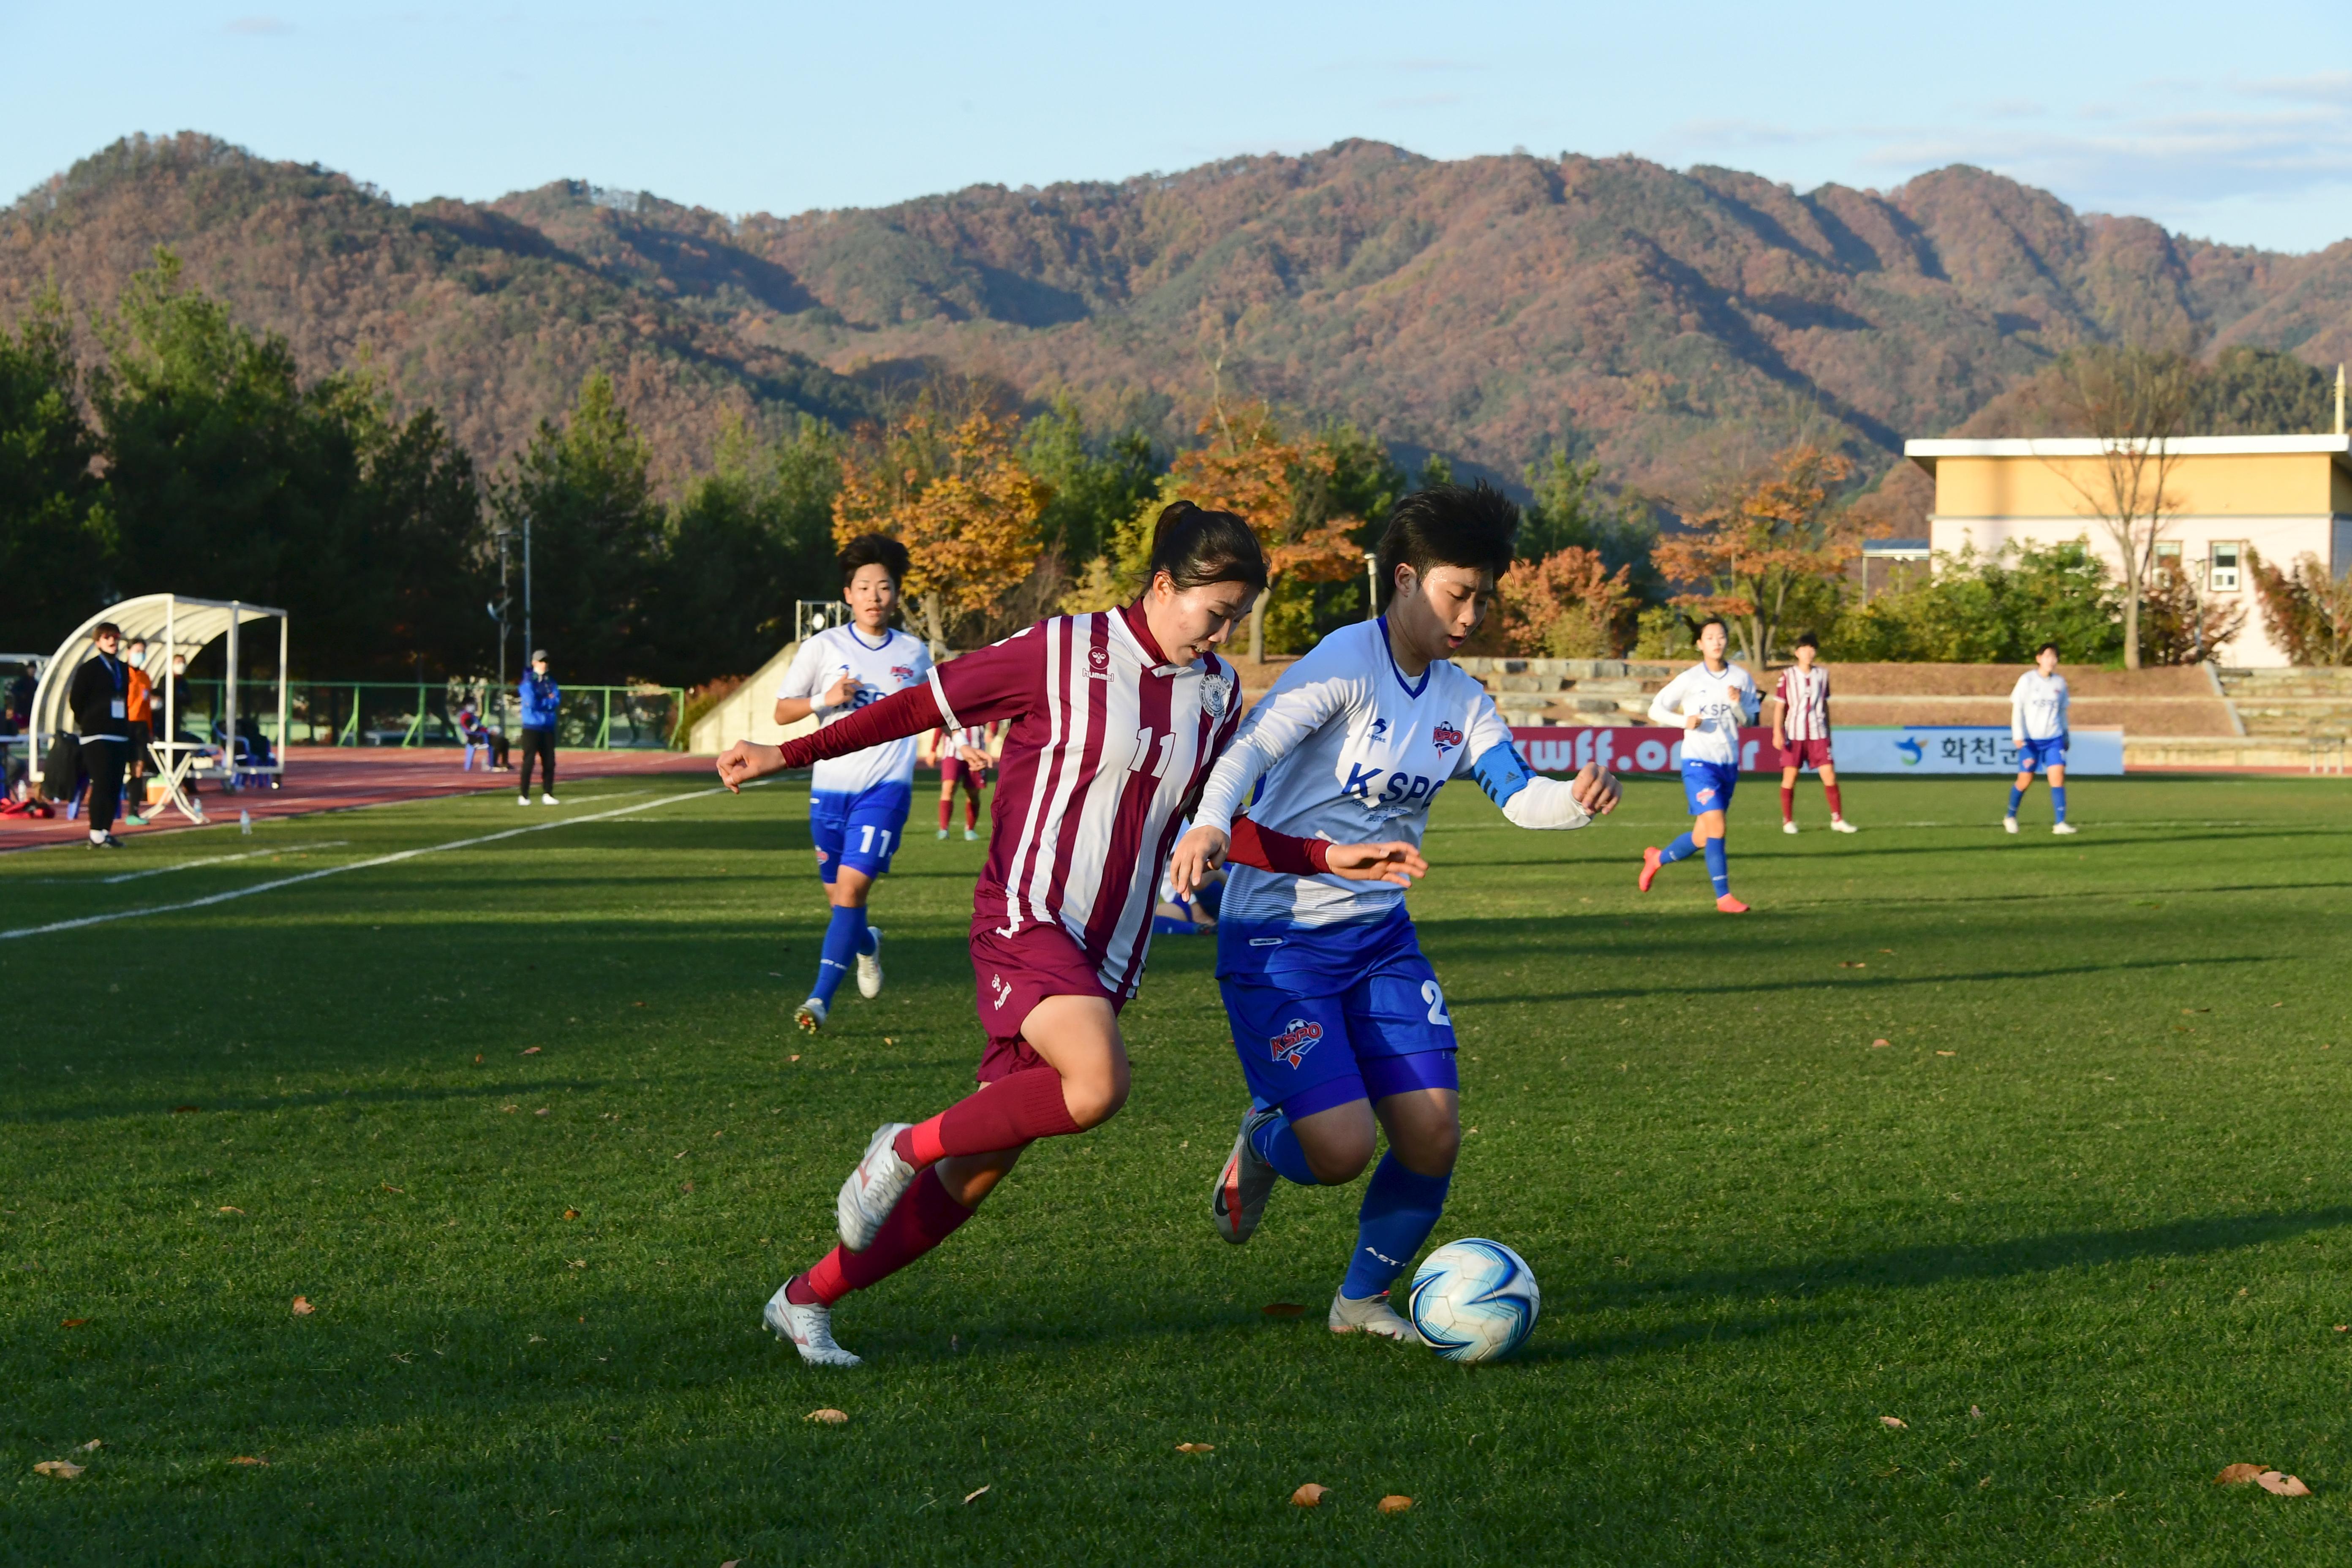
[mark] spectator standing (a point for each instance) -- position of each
(541, 699)
(142, 713)
(99, 699)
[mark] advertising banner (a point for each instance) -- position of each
(1904, 749)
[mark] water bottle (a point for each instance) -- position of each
(245, 823)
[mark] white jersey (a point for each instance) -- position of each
(898, 662)
(1350, 751)
(1727, 700)
(1804, 703)
(2037, 707)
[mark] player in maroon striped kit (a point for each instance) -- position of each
(1116, 719)
(1800, 732)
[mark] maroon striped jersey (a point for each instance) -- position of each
(1804, 703)
(1107, 743)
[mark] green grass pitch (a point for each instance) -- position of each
(2084, 1224)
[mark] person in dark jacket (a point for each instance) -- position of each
(99, 699)
(541, 700)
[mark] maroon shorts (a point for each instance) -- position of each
(1016, 972)
(1799, 753)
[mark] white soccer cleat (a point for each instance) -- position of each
(869, 967)
(873, 1189)
(2008, 824)
(810, 1016)
(2063, 827)
(1840, 824)
(808, 1328)
(1372, 1315)
(943, 833)
(522, 800)
(1244, 1184)
(549, 800)
(1788, 827)
(971, 836)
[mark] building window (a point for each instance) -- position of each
(2167, 557)
(2224, 576)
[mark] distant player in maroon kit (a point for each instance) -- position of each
(1114, 719)
(1800, 730)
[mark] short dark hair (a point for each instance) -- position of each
(1472, 525)
(2045, 648)
(1196, 547)
(873, 550)
(105, 629)
(1804, 639)
(1710, 621)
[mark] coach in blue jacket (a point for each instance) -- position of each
(540, 698)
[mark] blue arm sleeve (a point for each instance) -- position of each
(1501, 773)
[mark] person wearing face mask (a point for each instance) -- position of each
(99, 699)
(1115, 719)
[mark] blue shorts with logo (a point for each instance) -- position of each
(2048, 753)
(1325, 1014)
(1707, 786)
(860, 831)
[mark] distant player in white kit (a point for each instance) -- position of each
(2038, 724)
(1708, 702)
(857, 803)
(1800, 732)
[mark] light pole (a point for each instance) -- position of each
(526, 584)
(499, 612)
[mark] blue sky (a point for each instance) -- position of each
(2235, 126)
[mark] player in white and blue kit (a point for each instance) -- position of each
(857, 803)
(2038, 724)
(1340, 1022)
(1708, 702)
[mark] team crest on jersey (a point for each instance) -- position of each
(1298, 1037)
(1216, 692)
(1099, 663)
(1445, 737)
(903, 674)
(1380, 728)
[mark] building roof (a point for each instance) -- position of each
(1925, 453)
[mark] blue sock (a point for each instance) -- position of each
(1277, 1145)
(2015, 796)
(868, 943)
(1719, 866)
(1682, 849)
(843, 937)
(1400, 1208)
(2058, 800)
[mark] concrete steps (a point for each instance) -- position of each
(2293, 703)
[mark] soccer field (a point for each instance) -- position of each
(2083, 1225)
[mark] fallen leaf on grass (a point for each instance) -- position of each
(1894, 1421)
(93, 1445)
(2237, 1475)
(570, 1213)
(248, 1459)
(731, 1562)
(64, 1469)
(1396, 1502)
(1948, 1053)
(510, 1108)
(390, 1188)
(531, 1051)
(830, 1416)
(1975, 1413)
(889, 1039)
(71, 1323)
(2343, 1328)
(2278, 1485)
(793, 1057)
(636, 1004)
(1876, 1043)
(1196, 1447)
(541, 1111)
(303, 1307)
(578, 1263)
(1859, 965)
(1281, 1308)
(1308, 1496)
(230, 1208)
(970, 1495)
(2184, 1012)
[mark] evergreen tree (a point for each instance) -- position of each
(55, 532)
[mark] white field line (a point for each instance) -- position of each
(338, 870)
(224, 859)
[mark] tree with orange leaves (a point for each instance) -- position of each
(1567, 605)
(961, 502)
(1752, 548)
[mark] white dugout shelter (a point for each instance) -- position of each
(170, 624)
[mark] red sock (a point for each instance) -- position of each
(971, 811)
(925, 1217)
(1017, 1109)
(1830, 791)
(947, 805)
(1787, 803)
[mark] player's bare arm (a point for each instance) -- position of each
(1203, 850)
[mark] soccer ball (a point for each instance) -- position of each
(1474, 1300)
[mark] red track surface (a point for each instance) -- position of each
(328, 778)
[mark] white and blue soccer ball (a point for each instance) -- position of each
(1474, 1300)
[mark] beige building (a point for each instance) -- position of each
(2282, 496)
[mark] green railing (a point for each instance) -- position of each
(412, 713)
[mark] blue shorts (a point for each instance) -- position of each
(1707, 786)
(860, 831)
(2048, 753)
(1329, 1015)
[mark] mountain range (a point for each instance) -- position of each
(1672, 324)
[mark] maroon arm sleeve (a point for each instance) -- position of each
(896, 717)
(1271, 851)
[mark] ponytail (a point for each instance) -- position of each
(1196, 547)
